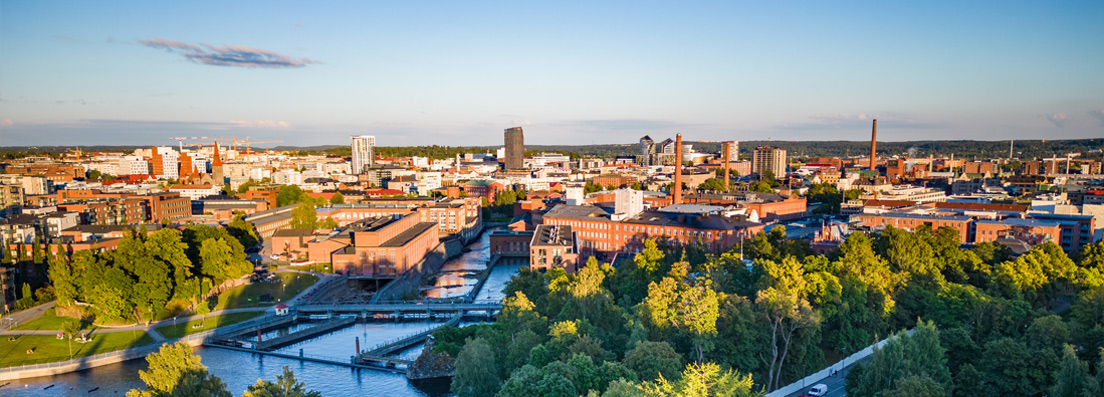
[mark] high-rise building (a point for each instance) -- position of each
(647, 149)
(165, 162)
(515, 149)
(733, 151)
(363, 152)
(769, 158)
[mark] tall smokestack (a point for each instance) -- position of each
(677, 191)
(727, 149)
(873, 144)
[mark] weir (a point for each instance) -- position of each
(308, 333)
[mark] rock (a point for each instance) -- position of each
(431, 365)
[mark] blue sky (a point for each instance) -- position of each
(458, 73)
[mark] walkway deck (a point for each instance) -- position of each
(308, 333)
(407, 341)
(325, 360)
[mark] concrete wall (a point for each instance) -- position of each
(421, 271)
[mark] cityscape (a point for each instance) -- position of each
(208, 234)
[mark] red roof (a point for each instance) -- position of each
(281, 306)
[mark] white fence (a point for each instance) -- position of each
(77, 364)
(819, 376)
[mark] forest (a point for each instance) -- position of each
(677, 320)
(150, 275)
(965, 149)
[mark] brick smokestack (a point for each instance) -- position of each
(726, 160)
(873, 143)
(677, 191)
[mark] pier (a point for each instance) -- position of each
(301, 335)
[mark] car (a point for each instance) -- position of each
(275, 257)
(819, 390)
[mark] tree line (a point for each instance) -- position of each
(678, 320)
(150, 272)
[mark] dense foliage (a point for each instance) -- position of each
(680, 321)
(175, 371)
(148, 270)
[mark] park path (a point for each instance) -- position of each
(37, 311)
(25, 315)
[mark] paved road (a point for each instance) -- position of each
(835, 383)
(37, 311)
(25, 315)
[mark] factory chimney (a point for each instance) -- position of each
(873, 144)
(677, 190)
(726, 161)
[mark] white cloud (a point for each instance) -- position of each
(1059, 119)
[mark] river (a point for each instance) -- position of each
(239, 370)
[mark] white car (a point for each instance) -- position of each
(275, 257)
(818, 390)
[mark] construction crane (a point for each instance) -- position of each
(248, 148)
(181, 140)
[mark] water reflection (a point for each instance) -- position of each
(239, 370)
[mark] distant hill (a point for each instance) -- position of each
(1026, 149)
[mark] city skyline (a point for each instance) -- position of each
(81, 74)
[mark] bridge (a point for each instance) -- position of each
(387, 364)
(308, 333)
(388, 308)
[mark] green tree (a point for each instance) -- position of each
(36, 251)
(650, 360)
(8, 257)
(175, 371)
(1072, 378)
(220, 262)
(761, 186)
(704, 380)
(712, 184)
(476, 370)
(289, 194)
(304, 217)
(785, 310)
(329, 223)
(285, 386)
(61, 277)
(337, 198)
(94, 175)
(242, 230)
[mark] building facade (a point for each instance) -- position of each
(515, 148)
(768, 158)
(363, 152)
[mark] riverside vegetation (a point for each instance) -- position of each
(680, 321)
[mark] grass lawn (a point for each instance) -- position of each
(314, 267)
(246, 296)
(49, 321)
(47, 348)
(184, 329)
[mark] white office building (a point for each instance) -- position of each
(363, 152)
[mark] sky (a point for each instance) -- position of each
(460, 72)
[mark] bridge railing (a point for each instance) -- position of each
(819, 376)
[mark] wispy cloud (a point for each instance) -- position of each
(264, 124)
(1059, 119)
(1099, 114)
(228, 54)
(840, 121)
(6, 122)
(623, 125)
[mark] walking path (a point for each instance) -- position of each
(37, 311)
(25, 315)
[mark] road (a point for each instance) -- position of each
(835, 383)
(20, 317)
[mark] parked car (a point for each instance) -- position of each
(274, 257)
(820, 390)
